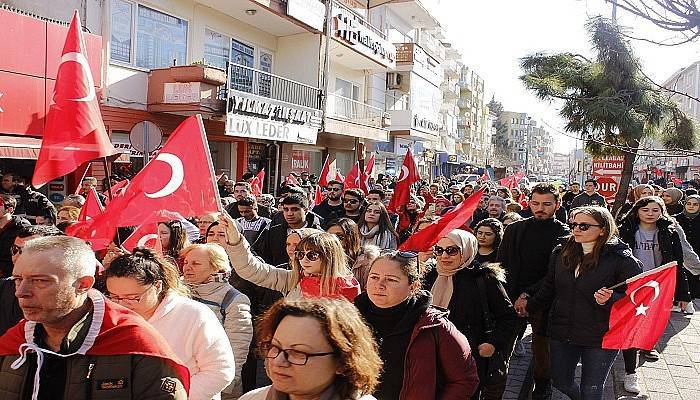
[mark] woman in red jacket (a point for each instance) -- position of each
(425, 357)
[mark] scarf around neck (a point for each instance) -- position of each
(444, 286)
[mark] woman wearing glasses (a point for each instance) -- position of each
(479, 307)
(317, 349)
(591, 260)
(375, 227)
(359, 256)
(319, 267)
(425, 357)
(150, 286)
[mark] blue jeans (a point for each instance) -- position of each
(595, 366)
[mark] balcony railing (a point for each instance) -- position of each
(261, 83)
(361, 18)
(353, 111)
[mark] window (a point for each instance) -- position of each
(243, 61)
(160, 39)
(216, 49)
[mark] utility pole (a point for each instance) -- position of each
(614, 11)
(527, 149)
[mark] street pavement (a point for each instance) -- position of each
(675, 376)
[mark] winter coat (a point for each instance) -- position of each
(271, 245)
(671, 250)
(201, 344)
(327, 212)
(584, 199)
(8, 233)
(238, 324)
(269, 393)
(255, 270)
(574, 314)
(466, 305)
(438, 362)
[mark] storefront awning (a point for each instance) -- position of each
(19, 147)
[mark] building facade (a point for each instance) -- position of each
(528, 146)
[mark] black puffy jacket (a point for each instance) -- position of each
(574, 315)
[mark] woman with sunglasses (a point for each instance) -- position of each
(359, 256)
(206, 272)
(316, 349)
(479, 307)
(489, 233)
(650, 232)
(575, 291)
(425, 357)
(319, 267)
(147, 284)
(376, 228)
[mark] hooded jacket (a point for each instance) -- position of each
(574, 314)
(671, 250)
(437, 361)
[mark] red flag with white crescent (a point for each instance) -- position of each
(74, 132)
(408, 176)
(257, 182)
(145, 235)
(92, 206)
(639, 319)
(352, 181)
(179, 179)
(325, 176)
(98, 236)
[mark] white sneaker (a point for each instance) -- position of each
(690, 308)
(676, 308)
(631, 384)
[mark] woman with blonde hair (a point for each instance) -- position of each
(319, 268)
(317, 349)
(206, 272)
(147, 284)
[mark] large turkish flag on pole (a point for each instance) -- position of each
(74, 132)
(408, 176)
(639, 319)
(180, 179)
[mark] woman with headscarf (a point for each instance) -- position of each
(479, 307)
(689, 221)
(635, 194)
(672, 197)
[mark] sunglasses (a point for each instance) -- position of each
(15, 250)
(582, 226)
(310, 255)
(350, 201)
(450, 250)
(399, 253)
(335, 189)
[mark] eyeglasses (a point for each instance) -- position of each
(296, 357)
(450, 250)
(310, 255)
(350, 201)
(128, 301)
(15, 250)
(582, 226)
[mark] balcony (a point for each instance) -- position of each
(264, 84)
(345, 116)
(465, 82)
(432, 46)
(450, 90)
(464, 103)
(370, 49)
(186, 90)
(451, 68)
(412, 57)
(464, 122)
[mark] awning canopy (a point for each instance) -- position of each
(19, 147)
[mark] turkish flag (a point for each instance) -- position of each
(352, 181)
(367, 173)
(145, 235)
(92, 206)
(318, 197)
(339, 177)
(369, 167)
(74, 132)
(408, 176)
(639, 319)
(117, 190)
(180, 179)
(99, 236)
(292, 180)
(326, 175)
(257, 182)
(425, 238)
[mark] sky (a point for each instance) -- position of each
(494, 34)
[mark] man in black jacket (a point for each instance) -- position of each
(9, 226)
(524, 254)
(242, 190)
(272, 246)
(332, 207)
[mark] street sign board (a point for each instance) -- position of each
(607, 186)
(608, 172)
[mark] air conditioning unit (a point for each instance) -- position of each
(393, 80)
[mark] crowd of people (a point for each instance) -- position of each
(277, 298)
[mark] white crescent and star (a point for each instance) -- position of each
(176, 177)
(404, 173)
(83, 62)
(641, 308)
(146, 238)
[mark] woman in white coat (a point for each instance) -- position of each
(147, 284)
(206, 272)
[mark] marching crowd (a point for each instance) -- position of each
(322, 298)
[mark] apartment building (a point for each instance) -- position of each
(529, 146)
(473, 131)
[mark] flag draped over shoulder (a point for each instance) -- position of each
(74, 132)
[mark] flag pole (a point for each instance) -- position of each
(83, 177)
(643, 274)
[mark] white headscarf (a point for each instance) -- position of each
(443, 287)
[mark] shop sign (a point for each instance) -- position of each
(310, 12)
(182, 92)
(262, 118)
(390, 166)
(425, 124)
(121, 142)
(452, 159)
(349, 29)
(300, 161)
(401, 146)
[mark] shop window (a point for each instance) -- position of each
(160, 38)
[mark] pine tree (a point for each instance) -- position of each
(609, 101)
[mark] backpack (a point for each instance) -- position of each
(231, 294)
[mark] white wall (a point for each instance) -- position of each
(298, 58)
